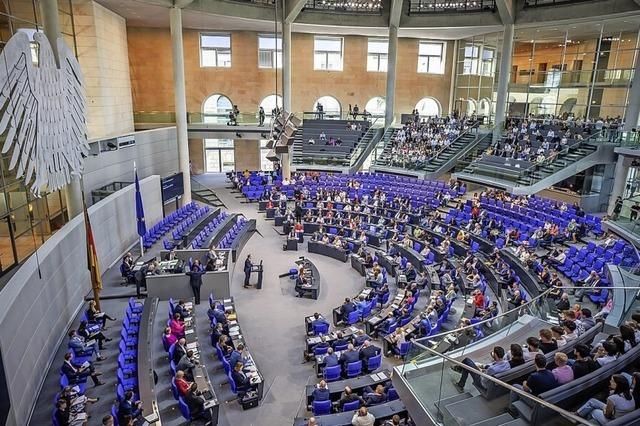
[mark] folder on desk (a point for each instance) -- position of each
(193, 345)
(227, 300)
(188, 331)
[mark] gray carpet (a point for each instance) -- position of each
(271, 320)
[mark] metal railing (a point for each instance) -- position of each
(523, 394)
(441, 6)
(367, 7)
(169, 118)
(538, 3)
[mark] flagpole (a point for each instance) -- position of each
(140, 239)
(94, 285)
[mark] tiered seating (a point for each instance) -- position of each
(128, 357)
(581, 261)
(230, 237)
(158, 230)
(184, 226)
(208, 230)
(333, 129)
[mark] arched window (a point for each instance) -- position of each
(376, 106)
(567, 105)
(428, 107)
(270, 102)
(216, 108)
(471, 106)
(485, 107)
(330, 106)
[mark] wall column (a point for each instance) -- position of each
(619, 180)
(633, 110)
(49, 12)
(391, 75)
(503, 80)
(285, 159)
(175, 16)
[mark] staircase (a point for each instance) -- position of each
(205, 195)
(297, 147)
(484, 142)
(450, 156)
(590, 152)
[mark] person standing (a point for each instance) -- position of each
(261, 117)
(195, 279)
(617, 208)
(247, 270)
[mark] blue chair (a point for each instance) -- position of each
(354, 369)
(184, 409)
(172, 367)
(374, 363)
(351, 406)
(392, 394)
(340, 348)
(114, 414)
(320, 350)
(320, 408)
(404, 349)
(64, 382)
(353, 317)
(320, 328)
(331, 374)
(174, 389)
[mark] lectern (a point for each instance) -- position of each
(258, 269)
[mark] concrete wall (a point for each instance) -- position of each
(35, 313)
(246, 84)
(247, 154)
(155, 153)
(101, 37)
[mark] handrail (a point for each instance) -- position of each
(504, 314)
(522, 393)
(361, 146)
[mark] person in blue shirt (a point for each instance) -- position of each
(346, 308)
(497, 366)
(318, 321)
(538, 382)
(236, 355)
(129, 407)
(321, 392)
(331, 359)
(362, 303)
(360, 338)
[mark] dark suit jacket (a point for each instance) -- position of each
(247, 266)
(320, 394)
(347, 308)
(69, 371)
(182, 311)
(339, 342)
(330, 360)
(368, 352)
(178, 353)
(126, 408)
(349, 356)
(195, 277)
(347, 399)
(241, 379)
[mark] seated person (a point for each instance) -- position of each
(321, 392)
(339, 341)
(346, 308)
(398, 337)
(349, 356)
(532, 348)
(368, 351)
(318, 321)
(177, 326)
(217, 311)
(78, 344)
(372, 397)
(195, 401)
(242, 381)
(187, 363)
(498, 365)
(331, 359)
(619, 402)
(546, 343)
(360, 338)
(182, 310)
(78, 373)
(347, 397)
(563, 373)
(129, 407)
(540, 381)
(583, 364)
(97, 317)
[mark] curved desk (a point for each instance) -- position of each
(312, 289)
(380, 412)
(327, 250)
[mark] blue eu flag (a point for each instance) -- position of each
(142, 228)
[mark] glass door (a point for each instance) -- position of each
(213, 161)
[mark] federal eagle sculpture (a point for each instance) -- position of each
(42, 113)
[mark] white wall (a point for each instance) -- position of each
(155, 153)
(35, 313)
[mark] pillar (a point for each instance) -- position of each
(49, 13)
(391, 75)
(503, 80)
(633, 109)
(285, 159)
(175, 17)
(620, 179)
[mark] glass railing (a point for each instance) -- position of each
(372, 132)
(169, 118)
(467, 334)
(439, 397)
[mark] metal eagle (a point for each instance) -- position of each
(42, 113)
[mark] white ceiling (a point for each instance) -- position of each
(142, 14)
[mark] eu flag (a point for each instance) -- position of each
(142, 228)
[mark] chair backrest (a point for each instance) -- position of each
(392, 394)
(354, 368)
(321, 407)
(114, 414)
(320, 350)
(374, 362)
(184, 409)
(332, 373)
(351, 406)
(174, 389)
(320, 328)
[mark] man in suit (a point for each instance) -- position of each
(360, 338)
(331, 359)
(318, 321)
(195, 279)
(347, 397)
(187, 363)
(182, 310)
(218, 313)
(372, 397)
(236, 355)
(588, 286)
(78, 344)
(180, 350)
(368, 351)
(348, 356)
(340, 340)
(346, 308)
(129, 407)
(78, 373)
(247, 270)
(321, 392)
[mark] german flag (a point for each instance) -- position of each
(92, 257)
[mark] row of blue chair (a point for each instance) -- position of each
(209, 229)
(167, 223)
(229, 238)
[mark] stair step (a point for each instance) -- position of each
(475, 409)
(523, 409)
(517, 422)
(455, 398)
(495, 421)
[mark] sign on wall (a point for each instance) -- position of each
(42, 112)
(172, 187)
